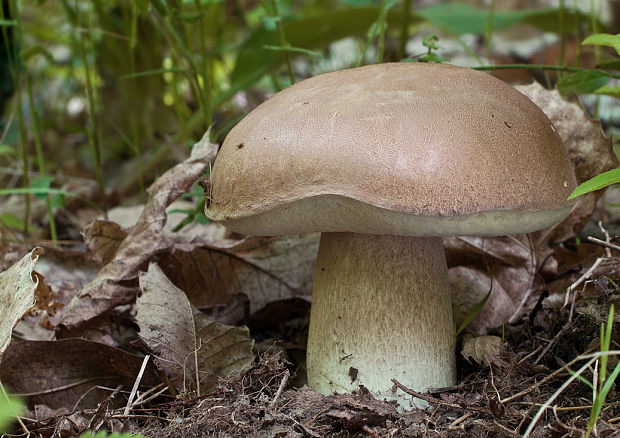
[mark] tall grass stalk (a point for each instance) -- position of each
(404, 29)
(185, 53)
(489, 31)
(275, 12)
(14, 65)
(94, 136)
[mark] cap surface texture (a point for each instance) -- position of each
(401, 148)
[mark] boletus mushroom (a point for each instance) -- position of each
(384, 160)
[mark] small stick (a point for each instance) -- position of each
(530, 355)
(603, 243)
(461, 419)
(431, 399)
(283, 383)
(583, 278)
(136, 384)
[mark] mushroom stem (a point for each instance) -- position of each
(380, 310)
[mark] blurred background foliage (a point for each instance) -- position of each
(100, 96)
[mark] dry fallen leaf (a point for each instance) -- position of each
(65, 372)
(485, 350)
(103, 238)
(181, 336)
(469, 286)
(265, 269)
(591, 152)
(17, 295)
(115, 283)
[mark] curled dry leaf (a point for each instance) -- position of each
(181, 336)
(65, 372)
(17, 295)
(115, 283)
(485, 350)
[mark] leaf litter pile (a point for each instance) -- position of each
(200, 332)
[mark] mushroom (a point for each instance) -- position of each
(384, 160)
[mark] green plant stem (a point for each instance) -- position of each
(489, 31)
(183, 50)
(205, 65)
(382, 26)
(36, 129)
(17, 84)
(404, 29)
(542, 67)
(283, 41)
(562, 31)
(93, 131)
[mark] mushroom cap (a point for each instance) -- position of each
(401, 148)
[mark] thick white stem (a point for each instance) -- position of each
(380, 310)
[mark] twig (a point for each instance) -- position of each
(460, 419)
(553, 341)
(529, 355)
(546, 379)
(431, 399)
(136, 384)
(283, 383)
(583, 278)
(603, 243)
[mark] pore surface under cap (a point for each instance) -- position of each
(446, 144)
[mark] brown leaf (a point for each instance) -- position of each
(17, 295)
(469, 287)
(63, 373)
(103, 238)
(483, 349)
(181, 336)
(265, 269)
(115, 283)
(590, 150)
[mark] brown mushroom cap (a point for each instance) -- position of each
(402, 148)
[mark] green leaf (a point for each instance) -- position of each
(609, 91)
(9, 409)
(582, 82)
(457, 18)
(604, 39)
(11, 221)
(42, 182)
(317, 31)
(7, 150)
(598, 182)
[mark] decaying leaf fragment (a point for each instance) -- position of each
(62, 373)
(485, 350)
(114, 284)
(181, 336)
(17, 294)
